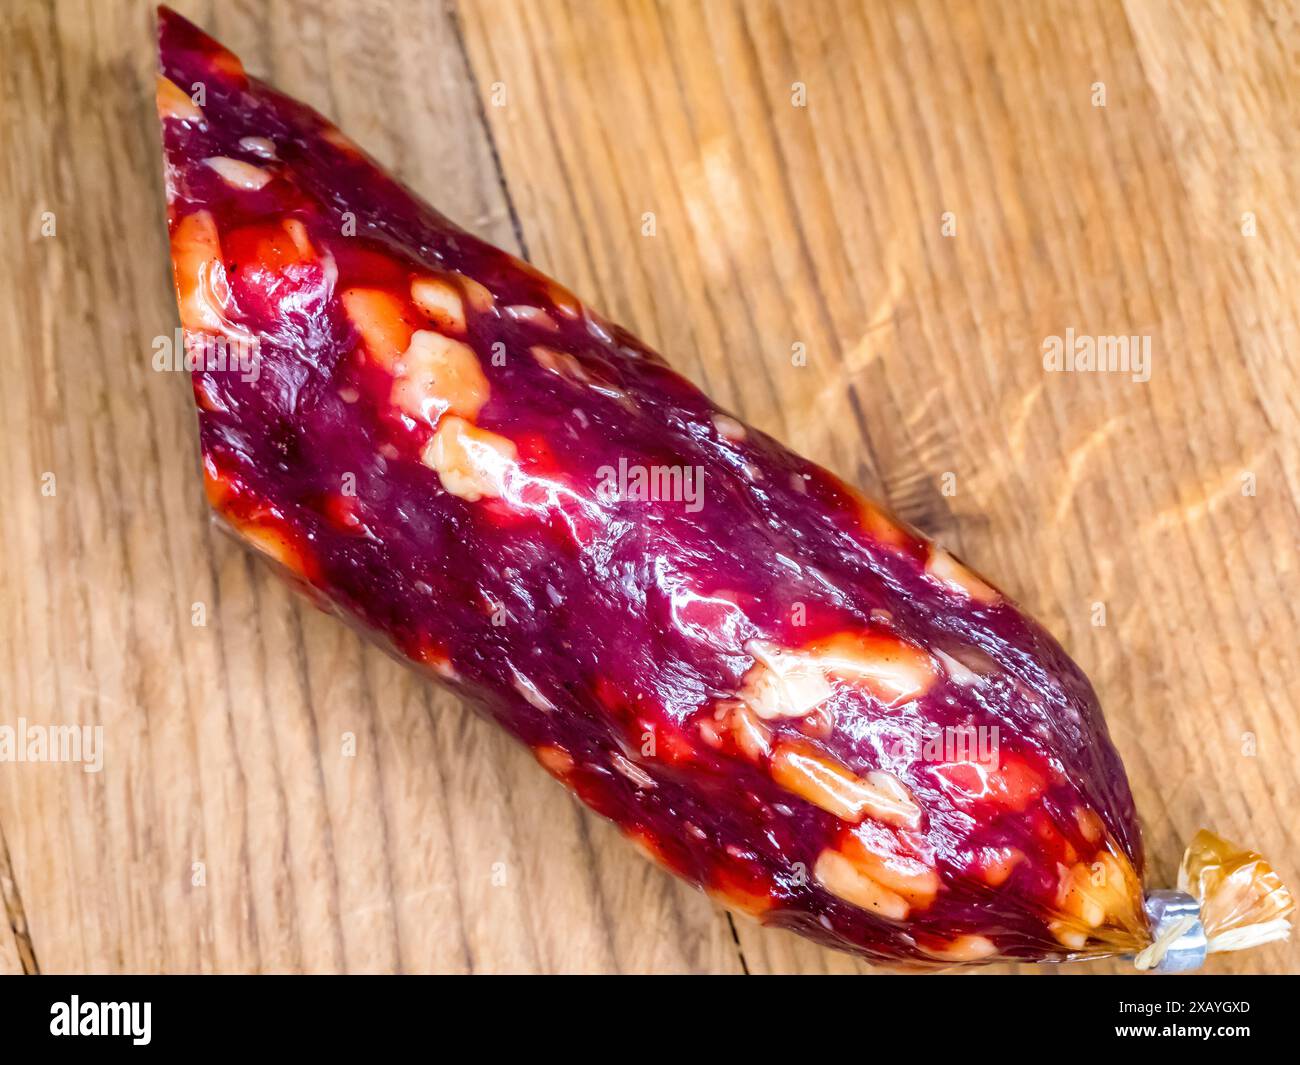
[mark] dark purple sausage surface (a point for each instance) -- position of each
(781, 693)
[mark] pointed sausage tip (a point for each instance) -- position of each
(183, 46)
(167, 20)
(171, 26)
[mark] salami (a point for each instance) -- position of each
(776, 689)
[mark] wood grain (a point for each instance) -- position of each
(232, 827)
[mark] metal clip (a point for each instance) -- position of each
(1164, 909)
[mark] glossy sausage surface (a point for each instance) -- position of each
(777, 690)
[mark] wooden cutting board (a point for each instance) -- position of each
(857, 223)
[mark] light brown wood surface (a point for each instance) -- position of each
(230, 830)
